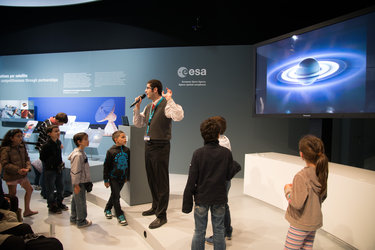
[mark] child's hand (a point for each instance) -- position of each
(288, 187)
(76, 189)
(287, 191)
(106, 184)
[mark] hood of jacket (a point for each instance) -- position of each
(313, 179)
(74, 153)
(304, 210)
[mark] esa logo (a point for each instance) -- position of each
(184, 72)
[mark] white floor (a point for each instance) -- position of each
(256, 224)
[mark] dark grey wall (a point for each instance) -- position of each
(82, 35)
(353, 139)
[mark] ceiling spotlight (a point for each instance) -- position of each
(196, 26)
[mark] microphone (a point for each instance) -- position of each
(134, 103)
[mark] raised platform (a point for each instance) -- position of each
(256, 224)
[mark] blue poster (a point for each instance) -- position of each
(96, 110)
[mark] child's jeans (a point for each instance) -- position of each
(37, 176)
(217, 221)
(114, 200)
(227, 219)
(43, 192)
(52, 179)
(78, 207)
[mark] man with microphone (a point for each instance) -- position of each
(157, 118)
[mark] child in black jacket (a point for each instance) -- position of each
(115, 174)
(211, 167)
(50, 155)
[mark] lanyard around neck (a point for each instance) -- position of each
(152, 112)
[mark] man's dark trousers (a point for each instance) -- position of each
(157, 164)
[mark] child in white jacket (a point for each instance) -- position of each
(80, 174)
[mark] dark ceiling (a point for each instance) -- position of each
(193, 23)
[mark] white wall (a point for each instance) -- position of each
(349, 210)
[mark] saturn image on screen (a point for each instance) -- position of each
(314, 71)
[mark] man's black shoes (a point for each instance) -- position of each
(148, 212)
(157, 223)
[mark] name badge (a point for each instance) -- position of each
(146, 138)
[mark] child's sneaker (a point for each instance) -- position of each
(122, 220)
(86, 224)
(63, 207)
(54, 209)
(108, 214)
(228, 236)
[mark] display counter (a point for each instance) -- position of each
(348, 212)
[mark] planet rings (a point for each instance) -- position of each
(327, 69)
(315, 70)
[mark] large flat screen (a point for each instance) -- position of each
(320, 72)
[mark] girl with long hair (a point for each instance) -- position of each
(16, 164)
(306, 194)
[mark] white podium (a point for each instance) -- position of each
(349, 210)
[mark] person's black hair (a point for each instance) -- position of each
(61, 117)
(210, 130)
(156, 84)
(79, 137)
(222, 122)
(7, 140)
(49, 129)
(116, 134)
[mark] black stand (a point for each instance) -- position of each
(322, 128)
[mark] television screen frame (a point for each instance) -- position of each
(297, 33)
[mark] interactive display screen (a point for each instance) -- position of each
(16, 109)
(321, 73)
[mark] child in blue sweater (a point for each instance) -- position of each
(115, 174)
